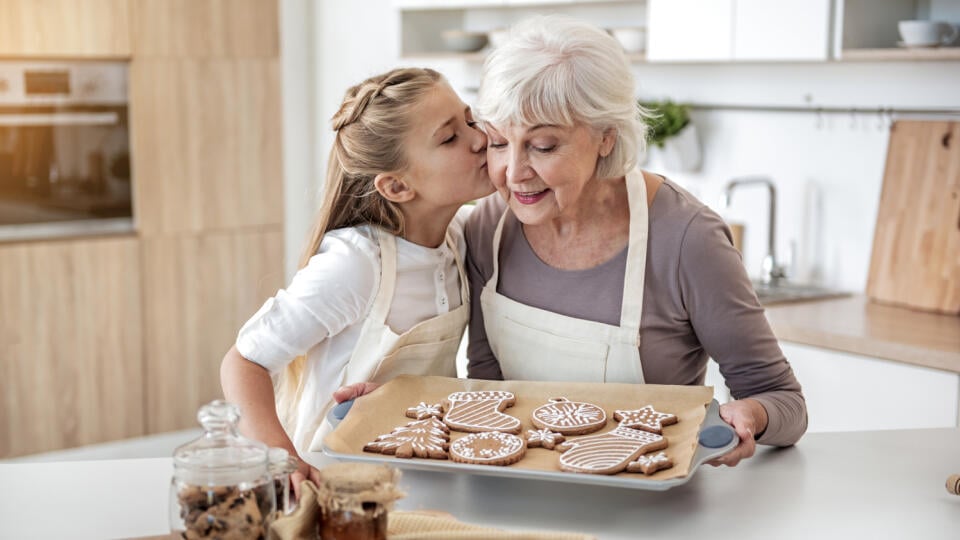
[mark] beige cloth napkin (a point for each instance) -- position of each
(302, 525)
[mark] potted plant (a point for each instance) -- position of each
(672, 131)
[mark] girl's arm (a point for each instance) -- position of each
(249, 386)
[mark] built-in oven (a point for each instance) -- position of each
(64, 149)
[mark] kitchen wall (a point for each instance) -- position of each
(828, 168)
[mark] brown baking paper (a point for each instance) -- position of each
(384, 409)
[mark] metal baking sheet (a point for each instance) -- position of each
(714, 438)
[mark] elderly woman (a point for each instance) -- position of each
(585, 268)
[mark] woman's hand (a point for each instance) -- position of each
(747, 417)
(353, 391)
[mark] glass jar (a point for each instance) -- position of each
(354, 500)
(221, 487)
(282, 464)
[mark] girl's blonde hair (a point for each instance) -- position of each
(370, 127)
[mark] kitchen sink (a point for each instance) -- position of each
(781, 291)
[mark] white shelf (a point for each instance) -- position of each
(485, 4)
(899, 54)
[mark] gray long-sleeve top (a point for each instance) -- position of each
(698, 303)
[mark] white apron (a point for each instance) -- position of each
(428, 348)
(535, 344)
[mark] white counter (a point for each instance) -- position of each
(877, 485)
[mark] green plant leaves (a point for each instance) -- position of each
(665, 119)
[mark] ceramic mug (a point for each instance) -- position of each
(926, 33)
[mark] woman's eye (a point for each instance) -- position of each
(496, 145)
(544, 149)
(450, 139)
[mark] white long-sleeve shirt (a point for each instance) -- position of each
(322, 311)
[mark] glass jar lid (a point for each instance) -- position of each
(221, 456)
(281, 462)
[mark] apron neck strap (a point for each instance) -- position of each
(632, 304)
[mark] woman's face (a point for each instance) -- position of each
(446, 151)
(541, 171)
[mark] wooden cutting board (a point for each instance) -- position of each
(916, 243)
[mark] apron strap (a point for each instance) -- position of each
(496, 250)
(388, 277)
(633, 277)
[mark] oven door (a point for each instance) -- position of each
(64, 166)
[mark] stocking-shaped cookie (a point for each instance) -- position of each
(482, 410)
(608, 453)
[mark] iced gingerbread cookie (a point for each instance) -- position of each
(427, 438)
(646, 419)
(608, 453)
(423, 410)
(543, 438)
(488, 448)
(650, 464)
(481, 410)
(569, 417)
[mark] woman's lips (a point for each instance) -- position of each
(530, 197)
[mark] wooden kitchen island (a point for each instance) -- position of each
(878, 484)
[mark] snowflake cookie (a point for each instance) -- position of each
(651, 463)
(543, 438)
(423, 410)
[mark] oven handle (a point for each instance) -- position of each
(60, 119)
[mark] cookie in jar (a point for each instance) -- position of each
(355, 499)
(221, 486)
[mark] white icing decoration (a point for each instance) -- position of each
(423, 437)
(487, 446)
(569, 415)
(645, 418)
(543, 437)
(481, 411)
(608, 453)
(423, 410)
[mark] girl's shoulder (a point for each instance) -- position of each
(350, 254)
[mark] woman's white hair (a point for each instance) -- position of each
(557, 70)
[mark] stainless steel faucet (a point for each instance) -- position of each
(770, 271)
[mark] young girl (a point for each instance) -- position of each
(381, 289)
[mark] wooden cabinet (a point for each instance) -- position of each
(741, 30)
(65, 28)
(198, 291)
(71, 370)
(206, 28)
(206, 143)
(850, 392)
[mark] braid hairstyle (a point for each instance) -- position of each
(370, 126)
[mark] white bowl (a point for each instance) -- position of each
(633, 39)
(463, 41)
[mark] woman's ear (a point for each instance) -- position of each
(607, 141)
(393, 187)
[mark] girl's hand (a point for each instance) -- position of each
(747, 417)
(353, 391)
(304, 472)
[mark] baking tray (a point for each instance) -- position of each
(712, 439)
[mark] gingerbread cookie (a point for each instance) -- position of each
(481, 410)
(543, 438)
(646, 419)
(423, 410)
(608, 453)
(427, 438)
(650, 464)
(488, 448)
(569, 417)
(224, 512)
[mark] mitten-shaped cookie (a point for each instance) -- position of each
(608, 453)
(481, 410)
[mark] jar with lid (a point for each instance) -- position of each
(354, 500)
(221, 487)
(281, 466)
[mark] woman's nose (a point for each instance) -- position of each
(517, 167)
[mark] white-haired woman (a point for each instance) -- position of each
(589, 269)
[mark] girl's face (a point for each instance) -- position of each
(543, 170)
(447, 151)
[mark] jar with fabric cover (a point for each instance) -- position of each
(355, 499)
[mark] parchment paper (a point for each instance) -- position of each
(384, 409)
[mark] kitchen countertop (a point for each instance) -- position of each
(856, 325)
(879, 484)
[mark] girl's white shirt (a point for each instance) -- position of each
(322, 311)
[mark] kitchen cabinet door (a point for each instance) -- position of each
(849, 392)
(71, 364)
(689, 30)
(65, 28)
(781, 30)
(206, 144)
(198, 291)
